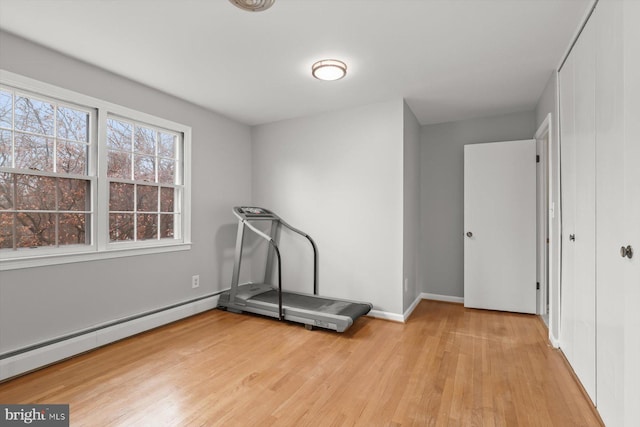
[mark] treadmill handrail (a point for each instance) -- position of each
(315, 254)
(275, 247)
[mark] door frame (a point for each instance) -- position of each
(542, 220)
(547, 145)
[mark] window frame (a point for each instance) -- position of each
(101, 247)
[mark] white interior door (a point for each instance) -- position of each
(584, 295)
(578, 294)
(610, 228)
(500, 226)
(568, 192)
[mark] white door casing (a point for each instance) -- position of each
(542, 198)
(547, 137)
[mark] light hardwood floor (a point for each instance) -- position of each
(446, 366)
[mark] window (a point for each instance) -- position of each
(81, 178)
(144, 181)
(44, 195)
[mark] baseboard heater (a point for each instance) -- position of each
(27, 359)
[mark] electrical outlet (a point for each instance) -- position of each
(195, 281)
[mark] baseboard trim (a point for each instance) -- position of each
(386, 316)
(580, 385)
(445, 298)
(412, 307)
(45, 355)
(402, 318)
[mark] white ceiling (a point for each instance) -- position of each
(450, 59)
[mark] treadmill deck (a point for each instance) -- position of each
(313, 303)
(261, 298)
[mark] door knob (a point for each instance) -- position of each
(626, 252)
(469, 234)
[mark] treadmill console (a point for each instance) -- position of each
(249, 212)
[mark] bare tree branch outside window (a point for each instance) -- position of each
(42, 136)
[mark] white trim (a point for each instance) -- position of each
(186, 185)
(40, 357)
(378, 314)
(546, 128)
(555, 193)
(69, 258)
(412, 307)
(433, 297)
(445, 298)
(542, 137)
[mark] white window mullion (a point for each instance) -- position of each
(55, 143)
(156, 159)
(100, 187)
(133, 152)
(184, 167)
(135, 211)
(13, 133)
(159, 207)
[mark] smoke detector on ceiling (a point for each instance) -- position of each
(253, 5)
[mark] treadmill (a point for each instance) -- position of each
(270, 300)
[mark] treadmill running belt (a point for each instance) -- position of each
(324, 305)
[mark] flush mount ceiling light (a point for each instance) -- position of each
(329, 69)
(253, 5)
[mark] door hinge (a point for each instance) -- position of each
(537, 158)
(537, 286)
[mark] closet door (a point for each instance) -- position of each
(585, 219)
(578, 294)
(631, 300)
(600, 125)
(611, 225)
(568, 191)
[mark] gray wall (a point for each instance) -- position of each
(442, 192)
(37, 304)
(339, 177)
(411, 208)
(548, 102)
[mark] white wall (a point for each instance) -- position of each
(442, 192)
(38, 304)
(411, 208)
(339, 177)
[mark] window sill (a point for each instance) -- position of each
(67, 258)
